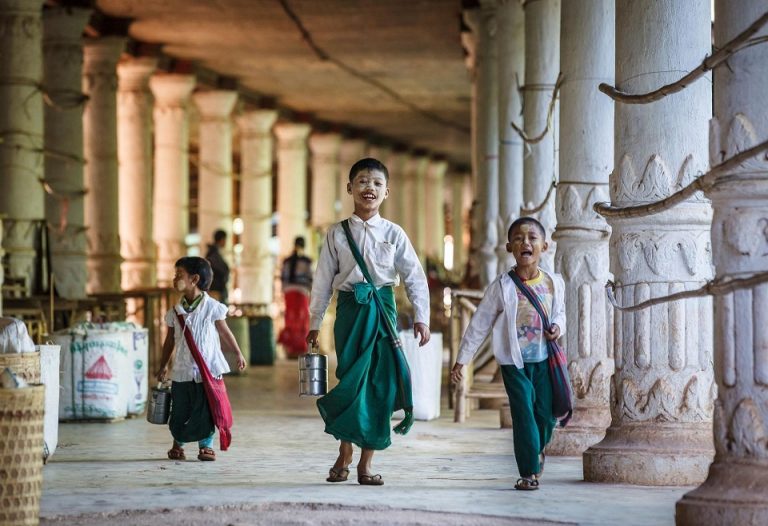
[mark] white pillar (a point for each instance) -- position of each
(100, 141)
(735, 489)
(511, 66)
(325, 149)
(412, 201)
(352, 150)
(395, 203)
(434, 210)
(291, 183)
(215, 198)
(586, 146)
(542, 65)
(21, 131)
(256, 273)
(662, 390)
(483, 24)
(460, 187)
(64, 210)
(384, 154)
(134, 155)
(171, 189)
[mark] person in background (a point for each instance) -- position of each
(296, 276)
(220, 268)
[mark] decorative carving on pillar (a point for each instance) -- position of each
(64, 205)
(662, 391)
(134, 152)
(735, 489)
(101, 172)
(21, 132)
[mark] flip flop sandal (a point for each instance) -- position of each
(370, 480)
(527, 484)
(206, 454)
(176, 453)
(338, 476)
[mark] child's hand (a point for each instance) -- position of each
(456, 373)
(162, 374)
(312, 338)
(241, 362)
(421, 331)
(553, 333)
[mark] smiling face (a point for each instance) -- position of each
(368, 189)
(526, 243)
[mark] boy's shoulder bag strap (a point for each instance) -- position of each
(532, 298)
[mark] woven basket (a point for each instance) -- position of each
(21, 459)
(26, 365)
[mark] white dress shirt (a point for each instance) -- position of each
(389, 256)
(202, 324)
(498, 310)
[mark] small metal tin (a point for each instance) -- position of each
(313, 374)
(159, 405)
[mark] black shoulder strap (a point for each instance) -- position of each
(532, 298)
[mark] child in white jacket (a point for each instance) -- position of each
(520, 345)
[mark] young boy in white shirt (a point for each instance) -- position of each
(520, 345)
(374, 380)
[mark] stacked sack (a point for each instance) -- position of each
(104, 370)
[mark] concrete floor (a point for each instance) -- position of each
(275, 471)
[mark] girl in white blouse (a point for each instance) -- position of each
(204, 317)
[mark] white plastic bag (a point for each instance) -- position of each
(14, 337)
(426, 365)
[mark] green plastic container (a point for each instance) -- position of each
(262, 335)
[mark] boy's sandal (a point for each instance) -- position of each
(206, 453)
(527, 484)
(340, 475)
(176, 453)
(370, 480)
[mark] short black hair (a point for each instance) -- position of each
(369, 164)
(219, 235)
(527, 220)
(299, 242)
(200, 266)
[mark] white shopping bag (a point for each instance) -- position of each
(426, 365)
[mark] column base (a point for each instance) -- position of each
(734, 493)
(572, 441)
(138, 273)
(651, 454)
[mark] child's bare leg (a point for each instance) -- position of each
(364, 466)
(345, 456)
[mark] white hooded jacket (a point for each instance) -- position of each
(498, 312)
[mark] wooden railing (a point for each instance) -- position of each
(463, 306)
